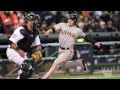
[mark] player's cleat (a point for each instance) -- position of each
(84, 68)
(82, 64)
(18, 77)
(39, 78)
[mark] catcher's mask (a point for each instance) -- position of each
(31, 17)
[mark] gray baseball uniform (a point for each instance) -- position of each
(67, 37)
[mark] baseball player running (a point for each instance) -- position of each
(23, 43)
(68, 33)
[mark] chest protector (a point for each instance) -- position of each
(29, 38)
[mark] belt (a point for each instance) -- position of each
(64, 48)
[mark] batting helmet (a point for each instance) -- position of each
(73, 17)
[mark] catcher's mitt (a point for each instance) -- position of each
(37, 56)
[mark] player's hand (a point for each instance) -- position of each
(98, 45)
(48, 32)
(21, 53)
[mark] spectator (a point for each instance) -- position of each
(52, 24)
(14, 19)
(1, 24)
(116, 20)
(101, 51)
(5, 15)
(85, 26)
(8, 27)
(80, 18)
(93, 27)
(112, 50)
(97, 19)
(91, 19)
(110, 27)
(65, 14)
(20, 15)
(20, 22)
(105, 16)
(102, 27)
(63, 19)
(85, 13)
(98, 13)
(43, 27)
(48, 17)
(81, 25)
(20, 18)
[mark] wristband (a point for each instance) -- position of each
(90, 39)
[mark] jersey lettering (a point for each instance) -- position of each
(68, 33)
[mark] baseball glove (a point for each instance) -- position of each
(37, 56)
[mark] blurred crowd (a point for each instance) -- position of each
(88, 21)
(10, 20)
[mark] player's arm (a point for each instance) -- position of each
(55, 28)
(88, 38)
(91, 40)
(50, 31)
(16, 36)
(15, 47)
(37, 44)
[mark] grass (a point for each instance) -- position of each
(90, 76)
(85, 76)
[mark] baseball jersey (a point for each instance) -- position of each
(68, 35)
(24, 38)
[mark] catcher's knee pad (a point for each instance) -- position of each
(26, 70)
(30, 73)
(26, 65)
(26, 75)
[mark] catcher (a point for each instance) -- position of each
(24, 46)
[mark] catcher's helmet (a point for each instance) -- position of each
(37, 17)
(73, 17)
(31, 16)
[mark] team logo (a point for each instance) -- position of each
(14, 35)
(107, 72)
